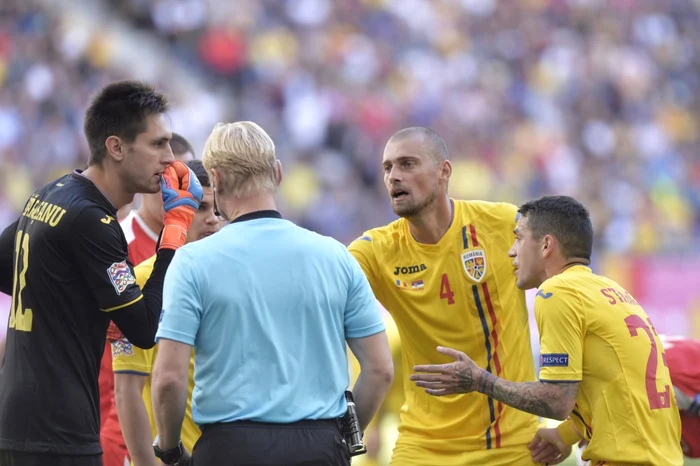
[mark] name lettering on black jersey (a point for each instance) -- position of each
(43, 211)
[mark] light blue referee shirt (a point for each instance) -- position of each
(267, 306)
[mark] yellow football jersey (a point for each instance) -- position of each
(593, 331)
(130, 359)
(458, 293)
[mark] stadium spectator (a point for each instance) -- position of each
(598, 100)
(594, 99)
(583, 319)
(268, 308)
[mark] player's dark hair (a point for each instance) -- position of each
(180, 145)
(198, 168)
(564, 218)
(434, 142)
(120, 109)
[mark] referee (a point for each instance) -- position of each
(65, 264)
(268, 307)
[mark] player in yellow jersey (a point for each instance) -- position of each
(132, 366)
(442, 271)
(601, 361)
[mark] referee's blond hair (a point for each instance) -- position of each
(244, 157)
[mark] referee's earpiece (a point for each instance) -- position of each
(216, 209)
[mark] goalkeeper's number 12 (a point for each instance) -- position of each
(20, 318)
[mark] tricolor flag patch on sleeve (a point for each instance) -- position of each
(554, 360)
(120, 275)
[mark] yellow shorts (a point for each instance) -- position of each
(410, 455)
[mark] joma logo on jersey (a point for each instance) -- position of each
(474, 263)
(410, 269)
(554, 360)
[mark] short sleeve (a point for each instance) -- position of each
(143, 271)
(128, 359)
(362, 315)
(182, 306)
(102, 256)
(363, 252)
(507, 218)
(561, 322)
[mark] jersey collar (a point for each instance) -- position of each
(577, 267)
(78, 175)
(256, 215)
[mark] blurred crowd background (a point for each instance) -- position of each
(598, 99)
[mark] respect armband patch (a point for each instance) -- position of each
(554, 360)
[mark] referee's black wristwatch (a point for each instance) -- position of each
(172, 456)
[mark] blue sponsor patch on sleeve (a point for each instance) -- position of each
(365, 238)
(554, 360)
(543, 295)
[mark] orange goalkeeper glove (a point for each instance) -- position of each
(182, 194)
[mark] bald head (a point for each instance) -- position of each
(433, 143)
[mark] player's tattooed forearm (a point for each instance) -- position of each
(543, 399)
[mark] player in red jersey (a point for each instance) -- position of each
(141, 228)
(682, 357)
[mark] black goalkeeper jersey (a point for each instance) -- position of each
(71, 268)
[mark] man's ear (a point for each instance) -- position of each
(446, 171)
(279, 172)
(115, 148)
(548, 244)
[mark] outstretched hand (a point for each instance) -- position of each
(460, 376)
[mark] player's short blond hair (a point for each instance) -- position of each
(244, 157)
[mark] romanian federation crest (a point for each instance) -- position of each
(474, 263)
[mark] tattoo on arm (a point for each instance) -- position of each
(550, 400)
(463, 377)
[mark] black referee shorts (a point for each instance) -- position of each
(246, 443)
(17, 458)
